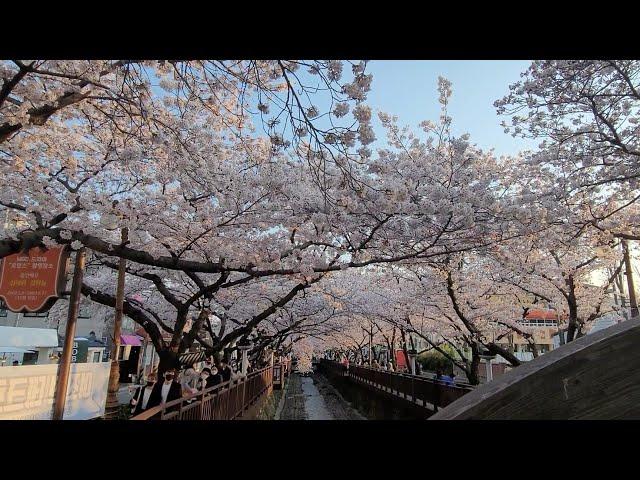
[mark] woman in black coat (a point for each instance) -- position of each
(209, 378)
(140, 400)
(174, 390)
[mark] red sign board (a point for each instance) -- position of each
(401, 359)
(33, 281)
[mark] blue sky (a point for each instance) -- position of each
(408, 88)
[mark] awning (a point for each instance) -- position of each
(21, 337)
(14, 350)
(190, 358)
(133, 340)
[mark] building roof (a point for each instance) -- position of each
(22, 337)
(133, 340)
(92, 341)
(14, 350)
(542, 314)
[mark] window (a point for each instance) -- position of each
(3, 309)
(36, 314)
(536, 322)
(96, 357)
(30, 358)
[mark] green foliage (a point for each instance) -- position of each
(434, 360)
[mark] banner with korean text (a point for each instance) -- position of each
(27, 392)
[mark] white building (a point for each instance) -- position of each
(27, 346)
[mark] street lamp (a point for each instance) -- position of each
(412, 354)
(385, 355)
(487, 357)
(560, 333)
(244, 348)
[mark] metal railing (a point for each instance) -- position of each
(227, 401)
(334, 368)
(422, 391)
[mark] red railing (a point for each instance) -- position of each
(227, 401)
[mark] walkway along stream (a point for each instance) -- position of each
(382, 395)
(314, 398)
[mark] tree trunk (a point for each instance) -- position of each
(168, 360)
(403, 340)
(472, 374)
(630, 284)
(573, 311)
(113, 406)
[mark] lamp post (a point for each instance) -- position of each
(370, 341)
(385, 356)
(487, 357)
(412, 354)
(244, 348)
(560, 333)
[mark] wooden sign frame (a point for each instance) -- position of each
(12, 270)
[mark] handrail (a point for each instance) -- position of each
(424, 392)
(421, 377)
(205, 399)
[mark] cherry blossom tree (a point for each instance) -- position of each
(586, 115)
(303, 352)
(574, 275)
(239, 231)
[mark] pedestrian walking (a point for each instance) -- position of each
(209, 378)
(203, 378)
(215, 378)
(447, 380)
(225, 371)
(140, 401)
(167, 391)
(188, 380)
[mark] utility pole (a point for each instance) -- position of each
(70, 331)
(630, 285)
(112, 406)
(370, 340)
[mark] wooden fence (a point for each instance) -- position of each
(421, 392)
(227, 401)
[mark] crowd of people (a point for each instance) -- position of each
(177, 384)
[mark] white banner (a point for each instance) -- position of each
(27, 392)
